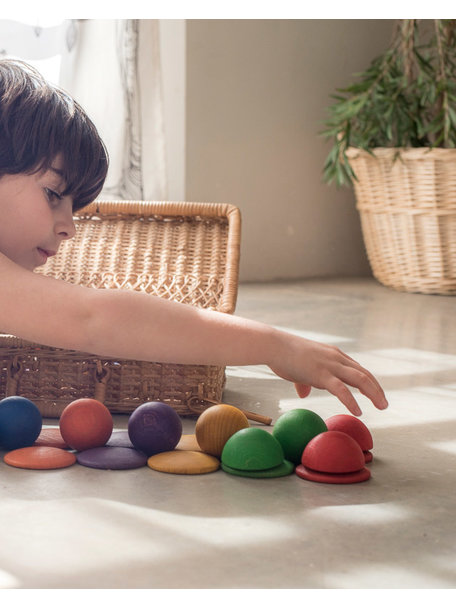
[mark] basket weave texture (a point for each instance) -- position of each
(187, 252)
(407, 202)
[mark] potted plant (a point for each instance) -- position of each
(394, 139)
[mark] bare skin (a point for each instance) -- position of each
(130, 325)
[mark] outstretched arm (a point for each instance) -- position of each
(131, 325)
(171, 332)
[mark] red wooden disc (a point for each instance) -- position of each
(40, 457)
(51, 438)
(356, 477)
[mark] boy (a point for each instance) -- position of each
(53, 162)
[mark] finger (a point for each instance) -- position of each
(367, 385)
(337, 388)
(303, 390)
(383, 403)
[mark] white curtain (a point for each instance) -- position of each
(114, 71)
(112, 67)
(40, 42)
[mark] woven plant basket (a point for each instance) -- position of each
(188, 252)
(407, 201)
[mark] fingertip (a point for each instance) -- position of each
(303, 390)
(382, 402)
(355, 409)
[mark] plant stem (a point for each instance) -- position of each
(446, 122)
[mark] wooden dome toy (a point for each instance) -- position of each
(216, 425)
(333, 457)
(20, 423)
(355, 428)
(254, 452)
(154, 427)
(295, 429)
(85, 424)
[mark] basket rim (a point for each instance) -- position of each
(405, 153)
(150, 208)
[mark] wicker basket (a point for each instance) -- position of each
(188, 252)
(407, 202)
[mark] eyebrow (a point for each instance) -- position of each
(58, 172)
(60, 175)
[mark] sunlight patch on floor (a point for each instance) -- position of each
(373, 576)
(364, 514)
(449, 447)
(8, 581)
(260, 372)
(404, 361)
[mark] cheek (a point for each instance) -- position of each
(36, 223)
(20, 235)
(9, 235)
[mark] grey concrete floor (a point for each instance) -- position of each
(81, 528)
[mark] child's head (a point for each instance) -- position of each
(40, 122)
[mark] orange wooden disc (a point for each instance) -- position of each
(188, 442)
(51, 438)
(184, 462)
(40, 457)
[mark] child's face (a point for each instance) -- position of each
(34, 219)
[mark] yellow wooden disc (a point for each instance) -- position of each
(188, 442)
(183, 462)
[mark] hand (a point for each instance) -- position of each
(308, 363)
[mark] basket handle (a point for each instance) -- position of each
(102, 375)
(13, 375)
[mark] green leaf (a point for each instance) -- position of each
(389, 106)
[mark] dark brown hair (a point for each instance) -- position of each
(40, 121)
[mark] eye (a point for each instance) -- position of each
(53, 197)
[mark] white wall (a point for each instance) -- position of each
(256, 95)
(173, 56)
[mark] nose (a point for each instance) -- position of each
(68, 231)
(64, 223)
